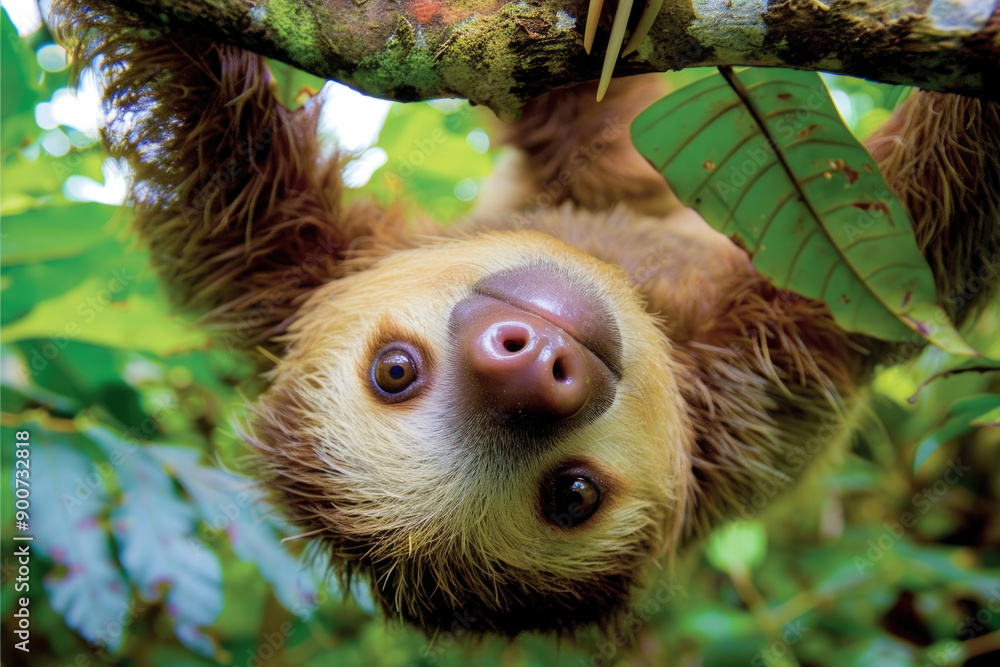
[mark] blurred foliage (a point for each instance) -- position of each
(152, 548)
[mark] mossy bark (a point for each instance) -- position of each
(501, 54)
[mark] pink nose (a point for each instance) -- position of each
(514, 364)
(524, 364)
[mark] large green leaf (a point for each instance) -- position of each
(91, 314)
(19, 71)
(29, 284)
(989, 418)
(154, 530)
(54, 232)
(88, 590)
(965, 414)
(31, 185)
(768, 161)
(235, 505)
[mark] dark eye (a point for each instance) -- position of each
(574, 500)
(394, 371)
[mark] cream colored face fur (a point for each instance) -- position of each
(408, 494)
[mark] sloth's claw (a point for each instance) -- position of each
(649, 14)
(614, 45)
(593, 17)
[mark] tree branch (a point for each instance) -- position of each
(502, 54)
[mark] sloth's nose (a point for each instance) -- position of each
(522, 364)
(535, 348)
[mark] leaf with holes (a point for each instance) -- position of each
(765, 158)
(86, 588)
(234, 504)
(154, 530)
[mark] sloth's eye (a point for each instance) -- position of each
(574, 500)
(394, 371)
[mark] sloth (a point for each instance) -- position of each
(501, 423)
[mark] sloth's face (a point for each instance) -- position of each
(488, 429)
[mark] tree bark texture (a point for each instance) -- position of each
(501, 54)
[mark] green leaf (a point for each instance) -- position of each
(234, 504)
(293, 86)
(19, 71)
(769, 162)
(90, 314)
(712, 623)
(153, 528)
(54, 232)
(738, 546)
(87, 590)
(988, 418)
(76, 371)
(18, 388)
(883, 650)
(18, 131)
(27, 285)
(961, 418)
(428, 155)
(34, 185)
(977, 365)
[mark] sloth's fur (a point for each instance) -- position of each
(729, 386)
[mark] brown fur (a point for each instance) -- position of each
(243, 217)
(729, 386)
(569, 149)
(939, 154)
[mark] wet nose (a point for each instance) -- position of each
(516, 364)
(525, 365)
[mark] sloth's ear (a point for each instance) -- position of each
(234, 196)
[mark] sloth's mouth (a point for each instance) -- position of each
(545, 292)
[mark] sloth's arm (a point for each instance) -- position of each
(940, 154)
(241, 211)
(567, 146)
